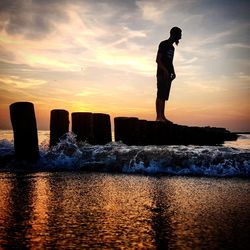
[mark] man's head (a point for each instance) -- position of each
(175, 34)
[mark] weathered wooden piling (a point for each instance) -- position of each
(82, 126)
(195, 136)
(229, 136)
(183, 135)
(142, 128)
(153, 133)
(133, 131)
(101, 128)
(158, 133)
(170, 134)
(23, 121)
(163, 137)
(59, 125)
(127, 130)
(218, 135)
(223, 134)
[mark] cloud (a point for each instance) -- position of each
(36, 19)
(151, 11)
(90, 92)
(22, 83)
(84, 54)
(6, 55)
(32, 19)
(213, 38)
(237, 45)
(73, 38)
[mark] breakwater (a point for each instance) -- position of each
(95, 128)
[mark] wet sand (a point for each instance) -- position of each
(106, 211)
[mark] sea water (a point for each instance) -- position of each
(229, 160)
(80, 196)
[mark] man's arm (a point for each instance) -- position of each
(173, 76)
(161, 65)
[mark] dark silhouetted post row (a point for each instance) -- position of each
(59, 125)
(101, 128)
(23, 121)
(82, 126)
(95, 128)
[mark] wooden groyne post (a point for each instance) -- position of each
(101, 128)
(82, 126)
(59, 125)
(132, 131)
(23, 121)
(95, 128)
(142, 128)
(127, 130)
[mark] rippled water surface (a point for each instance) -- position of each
(79, 210)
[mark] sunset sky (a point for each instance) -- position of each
(99, 56)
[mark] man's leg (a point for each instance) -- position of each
(160, 110)
(160, 107)
(163, 88)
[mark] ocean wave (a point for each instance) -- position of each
(219, 161)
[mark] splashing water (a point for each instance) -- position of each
(69, 154)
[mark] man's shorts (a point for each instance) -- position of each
(163, 88)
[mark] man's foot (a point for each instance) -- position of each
(160, 120)
(167, 121)
(163, 119)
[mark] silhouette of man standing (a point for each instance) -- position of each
(165, 71)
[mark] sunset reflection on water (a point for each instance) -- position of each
(103, 211)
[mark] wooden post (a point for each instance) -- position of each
(23, 121)
(101, 128)
(59, 125)
(126, 130)
(216, 136)
(82, 126)
(184, 135)
(153, 133)
(170, 134)
(142, 128)
(162, 135)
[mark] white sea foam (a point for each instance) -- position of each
(218, 161)
(6, 147)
